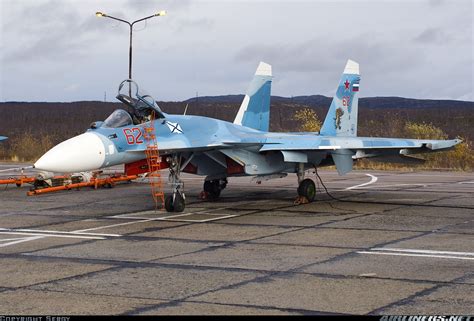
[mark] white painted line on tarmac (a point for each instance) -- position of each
(132, 216)
(421, 251)
(396, 185)
(164, 218)
(138, 218)
(113, 225)
(58, 232)
(177, 215)
(215, 219)
(175, 218)
(55, 235)
(12, 239)
(216, 214)
(83, 233)
(27, 239)
(372, 180)
(418, 255)
(39, 234)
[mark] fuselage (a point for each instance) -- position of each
(211, 142)
(108, 146)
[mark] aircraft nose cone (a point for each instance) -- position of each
(81, 153)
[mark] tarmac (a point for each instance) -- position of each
(384, 242)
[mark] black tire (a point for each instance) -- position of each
(169, 203)
(212, 188)
(179, 203)
(207, 186)
(307, 189)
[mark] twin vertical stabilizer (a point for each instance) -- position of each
(341, 119)
(255, 109)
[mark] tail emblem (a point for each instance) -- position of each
(346, 84)
(339, 113)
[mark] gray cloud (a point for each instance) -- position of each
(143, 6)
(434, 36)
(50, 30)
(436, 3)
(309, 57)
(404, 48)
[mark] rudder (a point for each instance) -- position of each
(341, 119)
(254, 112)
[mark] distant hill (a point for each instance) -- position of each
(378, 116)
(320, 100)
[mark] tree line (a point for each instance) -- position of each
(33, 128)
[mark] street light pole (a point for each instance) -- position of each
(158, 14)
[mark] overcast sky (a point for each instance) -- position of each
(58, 50)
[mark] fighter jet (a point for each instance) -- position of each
(3, 138)
(218, 149)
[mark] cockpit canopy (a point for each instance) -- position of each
(141, 103)
(119, 118)
(142, 106)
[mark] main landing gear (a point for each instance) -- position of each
(177, 201)
(306, 188)
(212, 189)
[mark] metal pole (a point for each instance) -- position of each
(130, 55)
(100, 14)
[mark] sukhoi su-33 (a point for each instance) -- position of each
(218, 149)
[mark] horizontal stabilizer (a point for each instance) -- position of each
(443, 144)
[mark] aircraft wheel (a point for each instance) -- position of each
(179, 203)
(307, 189)
(169, 203)
(212, 188)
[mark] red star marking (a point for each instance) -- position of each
(347, 83)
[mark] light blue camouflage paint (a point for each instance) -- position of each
(203, 140)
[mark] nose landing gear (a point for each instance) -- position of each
(177, 201)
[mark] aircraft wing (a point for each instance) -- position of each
(309, 143)
(344, 150)
(165, 150)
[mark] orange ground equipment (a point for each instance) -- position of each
(94, 182)
(18, 181)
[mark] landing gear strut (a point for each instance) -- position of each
(177, 201)
(213, 188)
(306, 188)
